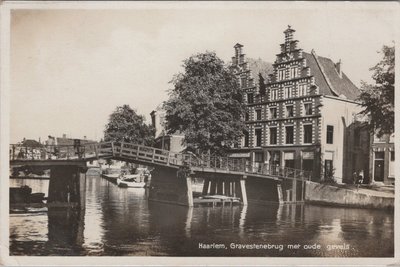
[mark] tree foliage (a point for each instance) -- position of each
(378, 99)
(206, 105)
(126, 125)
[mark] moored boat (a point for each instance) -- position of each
(130, 182)
(112, 176)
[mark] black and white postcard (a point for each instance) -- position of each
(198, 133)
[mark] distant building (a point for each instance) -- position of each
(62, 145)
(171, 142)
(31, 143)
(302, 116)
(66, 141)
(382, 159)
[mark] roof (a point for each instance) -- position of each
(70, 141)
(328, 79)
(257, 66)
(31, 143)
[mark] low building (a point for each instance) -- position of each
(171, 142)
(382, 159)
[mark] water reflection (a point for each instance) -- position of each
(120, 221)
(65, 230)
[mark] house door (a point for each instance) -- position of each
(308, 164)
(289, 159)
(379, 166)
(328, 168)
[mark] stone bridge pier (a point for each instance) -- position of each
(263, 191)
(170, 185)
(67, 187)
(174, 186)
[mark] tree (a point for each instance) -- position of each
(206, 105)
(125, 125)
(378, 99)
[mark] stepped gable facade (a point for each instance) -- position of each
(301, 119)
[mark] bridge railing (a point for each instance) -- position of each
(153, 155)
(149, 154)
(226, 164)
(48, 152)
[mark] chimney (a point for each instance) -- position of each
(339, 68)
(64, 136)
(238, 53)
(288, 38)
(84, 137)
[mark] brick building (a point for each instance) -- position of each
(301, 115)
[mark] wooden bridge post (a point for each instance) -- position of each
(294, 189)
(213, 187)
(227, 191)
(206, 185)
(112, 148)
(243, 190)
(189, 191)
(137, 152)
(302, 188)
(153, 155)
(96, 151)
(169, 157)
(280, 193)
(122, 146)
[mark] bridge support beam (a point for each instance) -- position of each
(67, 186)
(206, 185)
(243, 191)
(263, 191)
(171, 186)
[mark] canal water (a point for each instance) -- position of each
(120, 221)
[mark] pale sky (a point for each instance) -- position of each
(71, 68)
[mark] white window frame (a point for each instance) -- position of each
(293, 72)
(305, 109)
(281, 74)
(274, 94)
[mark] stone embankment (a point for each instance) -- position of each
(348, 196)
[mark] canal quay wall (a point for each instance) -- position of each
(336, 196)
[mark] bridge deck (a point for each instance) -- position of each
(77, 155)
